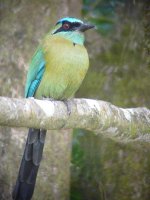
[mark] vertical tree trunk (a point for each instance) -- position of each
(147, 29)
(23, 25)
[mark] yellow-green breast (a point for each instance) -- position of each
(66, 67)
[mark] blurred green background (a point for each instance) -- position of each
(101, 168)
(119, 73)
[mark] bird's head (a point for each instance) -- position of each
(72, 29)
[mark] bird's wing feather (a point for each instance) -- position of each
(35, 73)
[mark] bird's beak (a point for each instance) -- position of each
(85, 27)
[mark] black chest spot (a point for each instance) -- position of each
(74, 44)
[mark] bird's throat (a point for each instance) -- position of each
(75, 37)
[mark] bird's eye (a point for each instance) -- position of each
(66, 26)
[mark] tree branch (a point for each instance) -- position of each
(130, 123)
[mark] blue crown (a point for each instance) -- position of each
(70, 19)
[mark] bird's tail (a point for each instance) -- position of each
(25, 183)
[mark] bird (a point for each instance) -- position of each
(56, 71)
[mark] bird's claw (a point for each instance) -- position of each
(47, 98)
(68, 105)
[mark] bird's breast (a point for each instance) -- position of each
(66, 66)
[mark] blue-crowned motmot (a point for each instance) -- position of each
(57, 69)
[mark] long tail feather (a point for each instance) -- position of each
(30, 163)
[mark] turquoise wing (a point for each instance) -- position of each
(35, 73)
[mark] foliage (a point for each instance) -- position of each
(102, 13)
(103, 169)
(119, 72)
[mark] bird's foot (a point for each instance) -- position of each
(68, 105)
(66, 102)
(47, 98)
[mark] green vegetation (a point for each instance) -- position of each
(101, 168)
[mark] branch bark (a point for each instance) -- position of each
(115, 122)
